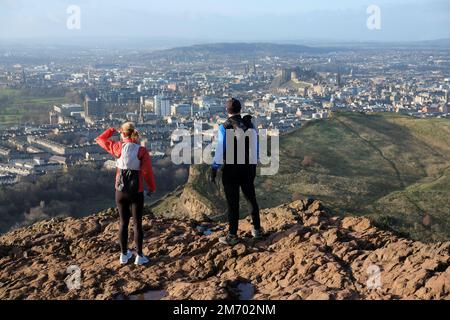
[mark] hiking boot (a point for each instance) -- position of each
(141, 260)
(257, 233)
(125, 257)
(229, 240)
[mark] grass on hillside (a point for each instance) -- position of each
(390, 167)
(17, 106)
(413, 205)
(356, 160)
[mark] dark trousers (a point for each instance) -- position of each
(234, 179)
(130, 205)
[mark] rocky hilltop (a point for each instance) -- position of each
(308, 254)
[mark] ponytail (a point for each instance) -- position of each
(134, 135)
(129, 131)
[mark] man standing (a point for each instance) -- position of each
(237, 154)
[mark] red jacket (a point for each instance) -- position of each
(115, 149)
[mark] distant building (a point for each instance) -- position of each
(194, 110)
(15, 170)
(295, 74)
(161, 106)
(60, 149)
(132, 116)
(94, 108)
(58, 159)
(5, 152)
(53, 117)
(212, 105)
(67, 109)
(7, 179)
(182, 110)
(339, 79)
(433, 108)
(446, 107)
(172, 86)
(216, 109)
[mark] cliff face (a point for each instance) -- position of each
(307, 254)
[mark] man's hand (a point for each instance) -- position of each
(213, 175)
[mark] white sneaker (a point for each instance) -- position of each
(229, 240)
(141, 260)
(125, 257)
(257, 233)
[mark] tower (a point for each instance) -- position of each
(338, 78)
(94, 107)
(161, 106)
(141, 109)
(446, 107)
(24, 77)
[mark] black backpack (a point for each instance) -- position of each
(243, 123)
(128, 181)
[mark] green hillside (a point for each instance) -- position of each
(393, 168)
(28, 105)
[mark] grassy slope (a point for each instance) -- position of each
(378, 165)
(392, 168)
(18, 105)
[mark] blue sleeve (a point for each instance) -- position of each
(218, 156)
(257, 146)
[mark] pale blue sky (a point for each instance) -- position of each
(228, 20)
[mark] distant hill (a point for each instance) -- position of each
(431, 44)
(440, 44)
(241, 49)
(394, 169)
(248, 50)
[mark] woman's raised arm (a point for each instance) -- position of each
(111, 146)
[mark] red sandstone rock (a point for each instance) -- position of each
(307, 255)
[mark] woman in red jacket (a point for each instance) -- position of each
(134, 166)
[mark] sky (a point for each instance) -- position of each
(226, 20)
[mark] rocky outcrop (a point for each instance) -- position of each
(199, 199)
(193, 207)
(307, 254)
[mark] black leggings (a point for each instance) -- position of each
(130, 205)
(232, 194)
